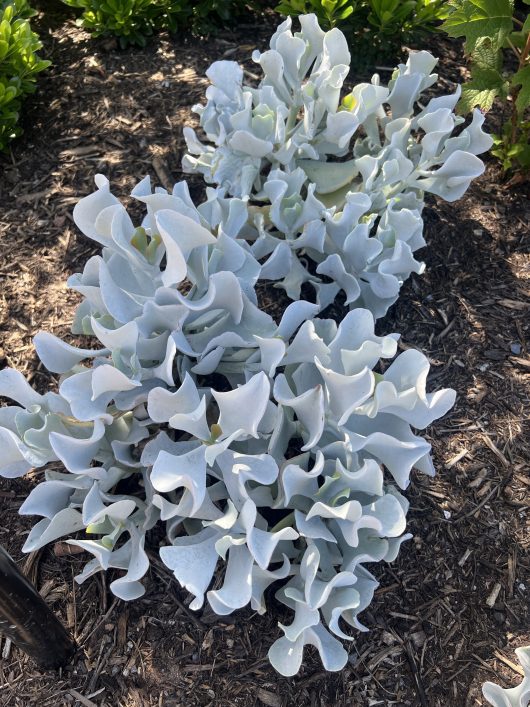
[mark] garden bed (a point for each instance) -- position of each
(433, 636)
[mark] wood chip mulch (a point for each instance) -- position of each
(454, 606)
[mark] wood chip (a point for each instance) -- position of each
(80, 151)
(70, 615)
(516, 668)
(383, 655)
(81, 698)
(476, 482)
(418, 638)
(462, 561)
(268, 698)
(23, 198)
(6, 651)
(454, 460)
(524, 362)
(162, 173)
(490, 601)
(198, 668)
(62, 549)
(513, 304)
(447, 329)
(207, 641)
(122, 629)
(496, 451)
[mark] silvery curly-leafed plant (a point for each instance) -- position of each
(337, 177)
(275, 448)
(516, 696)
(274, 451)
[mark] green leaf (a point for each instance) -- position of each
(486, 56)
(476, 19)
(482, 90)
(345, 13)
(522, 78)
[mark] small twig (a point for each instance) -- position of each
(478, 507)
(447, 329)
(164, 572)
(513, 666)
(416, 674)
(516, 51)
(81, 698)
(496, 451)
(252, 668)
(83, 639)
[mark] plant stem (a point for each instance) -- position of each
(525, 53)
(516, 51)
(522, 59)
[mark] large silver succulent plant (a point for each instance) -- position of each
(271, 449)
(340, 178)
(288, 467)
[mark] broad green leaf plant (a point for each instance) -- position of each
(492, 33)
(19, 65)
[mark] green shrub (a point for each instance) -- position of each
(491, 35)
(133, 21)
(207, 15)
(19, 64)
(330, 13)
(383, 22)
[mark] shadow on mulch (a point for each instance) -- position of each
(433, 637)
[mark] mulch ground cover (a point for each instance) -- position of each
(454, 606)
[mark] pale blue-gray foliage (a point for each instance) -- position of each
(516, 696)
(359, 219)
(196, 409)
(210, 463)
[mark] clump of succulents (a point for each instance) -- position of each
(298, 425)
(339, 178)
(273, 449)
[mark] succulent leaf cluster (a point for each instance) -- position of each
(272, 450)
(341, 176)
(297, 425)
